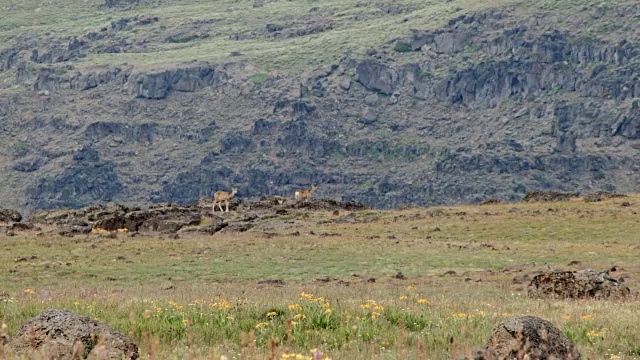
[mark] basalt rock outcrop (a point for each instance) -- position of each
(530, 337)
(61, 334)
(9, 215)
(577, 285)
(548, 196)
(488, 105)
(157, 218)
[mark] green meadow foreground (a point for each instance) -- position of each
(317, 280)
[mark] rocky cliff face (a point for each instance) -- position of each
(492, 104)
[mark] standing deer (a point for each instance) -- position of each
(221, 196)
(305, 194)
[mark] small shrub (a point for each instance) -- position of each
(259, 78)
(182, 38)
(599, 175)
(425, 75)
(402, 47)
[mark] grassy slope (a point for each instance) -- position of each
(354, 28)
(155, 271)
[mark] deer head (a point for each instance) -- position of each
(234, 191)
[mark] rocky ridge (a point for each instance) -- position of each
(487, 105)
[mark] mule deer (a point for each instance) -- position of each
(221, 196)
(305, 194)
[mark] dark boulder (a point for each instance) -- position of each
(8, 215)
(530, 337)
(62, 333)
(601, 196)
(548, 196)
(576, 285)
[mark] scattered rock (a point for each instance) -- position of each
(277, 283)
(372, 100)
(324, 279)
(22, 226)
(576, 284)
(574, 263)
(216, 225)
(239, 227)
(451, 273)
(522, 112)
(548, 196)
(369, 116)
(490, 202)
(74, 230)
(399, 276)
(521, 279)
(112, 217)
(530, 337)
(345, 84)
(601, 196)
(9, 216)
(60, 331)
(371, 280)
(625, 203)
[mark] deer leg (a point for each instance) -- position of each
(220, 205)
(227, 205)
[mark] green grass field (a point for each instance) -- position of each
(199, 297)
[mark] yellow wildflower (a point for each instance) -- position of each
(295, 307)
(298, 316)
(29, 291)
(262, 325)
(272, 313)
(378, 307)
(328, 311)
(306, 296)
(423, 301)
(404, 297)
(586, 317)
(566, 317)
(374, 315)
(411, 287)
(294, 323)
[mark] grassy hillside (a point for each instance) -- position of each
(353, 26)
(462, 266)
